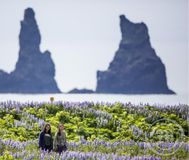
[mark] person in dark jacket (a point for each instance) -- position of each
(45, 138)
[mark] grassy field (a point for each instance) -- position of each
(95, 130)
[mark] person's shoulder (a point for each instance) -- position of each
(56, 133)
(42, 133)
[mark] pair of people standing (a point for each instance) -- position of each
(46, 139)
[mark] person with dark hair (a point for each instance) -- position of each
(60, 143)
(46, 139)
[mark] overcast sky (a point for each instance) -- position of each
(83, 35)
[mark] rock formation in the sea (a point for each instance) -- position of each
(83, 91)
(135, 68)
(34, 71)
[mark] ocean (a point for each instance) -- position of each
(110, 98)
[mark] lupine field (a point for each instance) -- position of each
(96, 130)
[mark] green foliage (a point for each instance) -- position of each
(63, 116)
(107, 123)
(6, 156)
(111, 123)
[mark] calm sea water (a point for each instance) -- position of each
(134, 99)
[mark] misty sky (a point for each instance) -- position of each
(83, 36)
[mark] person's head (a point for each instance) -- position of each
(60, 128)
(47, 128)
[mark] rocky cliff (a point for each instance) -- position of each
(82, 91)
(34, 71)
(135, 68)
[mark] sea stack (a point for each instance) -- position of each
(34, 71)
(135, 68)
